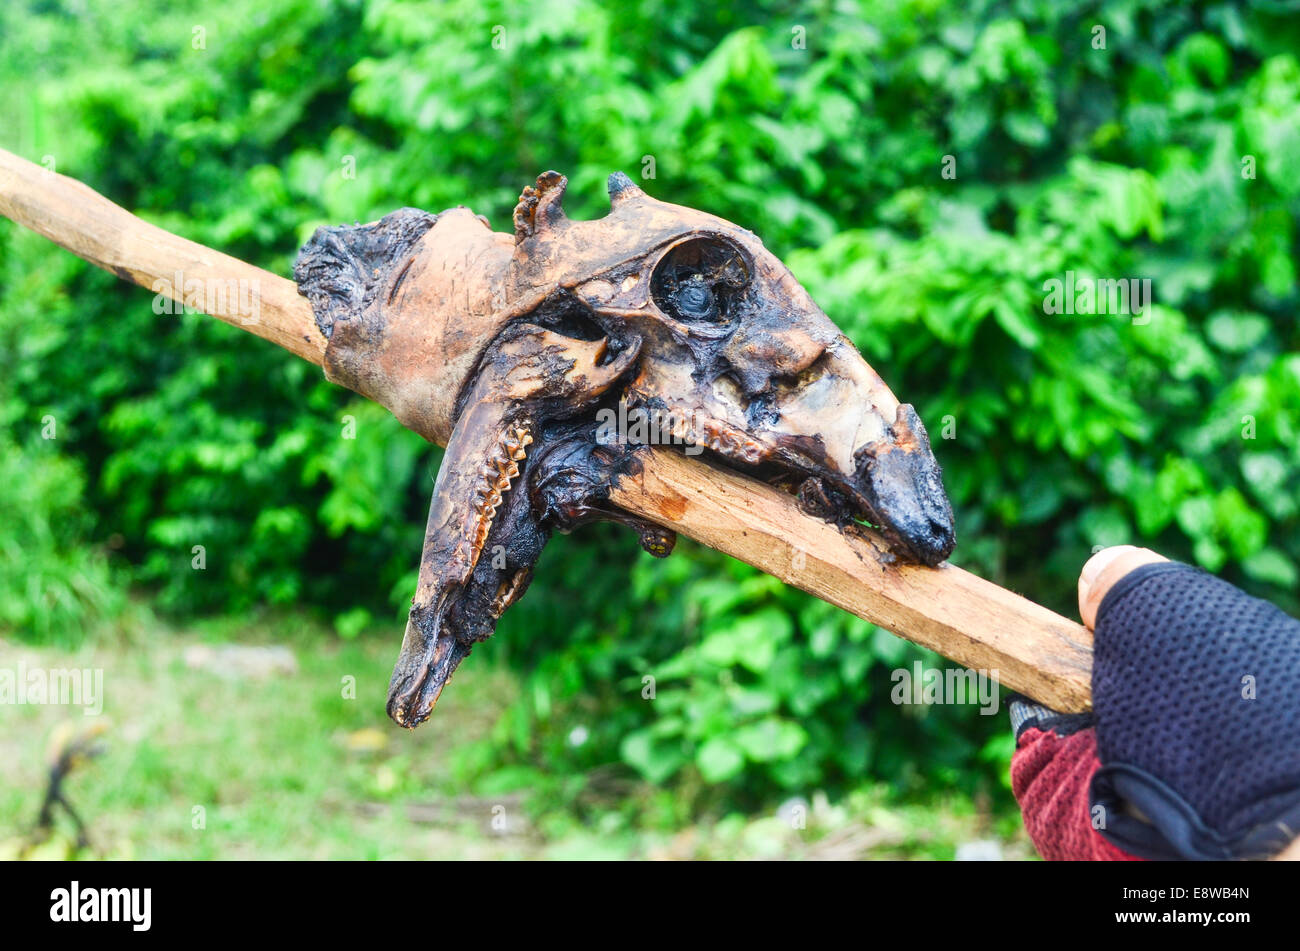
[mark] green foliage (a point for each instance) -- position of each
(1169, 154)
(290, 768)
(51, 588)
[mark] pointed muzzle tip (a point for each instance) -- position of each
(904, 485)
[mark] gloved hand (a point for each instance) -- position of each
(1192, 750)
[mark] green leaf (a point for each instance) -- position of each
(655, 759)
(351, 623)
(719, 759)
(1019, 326)
(1236, 331)
(1244, 528)
(1271, 567)
(1106, 526)
(1209, 554)
(770, 739)
(1026, 128)
(749, 640)
(1196, 517)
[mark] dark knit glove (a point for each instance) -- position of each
(1193, 747)
(1196, 692)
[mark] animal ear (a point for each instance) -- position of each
(339, 268)
(539, 206)
(622, 189)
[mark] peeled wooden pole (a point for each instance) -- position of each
(80, 219)
(951, 611)
(969, 620)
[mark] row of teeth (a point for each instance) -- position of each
(718, 437)
(505, 595)
(501, 467)
(725, 439)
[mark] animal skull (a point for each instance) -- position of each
(505, 348)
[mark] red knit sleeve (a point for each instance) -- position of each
(1050, 775)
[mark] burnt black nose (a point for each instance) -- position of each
(904, 485)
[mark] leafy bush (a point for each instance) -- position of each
(51, 588)
(925, 169)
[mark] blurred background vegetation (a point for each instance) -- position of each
(1166, 147)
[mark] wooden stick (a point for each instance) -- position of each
(951, 611)
(962, 617)
(90, 226)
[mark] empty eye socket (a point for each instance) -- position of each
(701, 281)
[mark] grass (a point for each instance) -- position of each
(202, 763)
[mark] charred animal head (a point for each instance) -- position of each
(505, 346)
